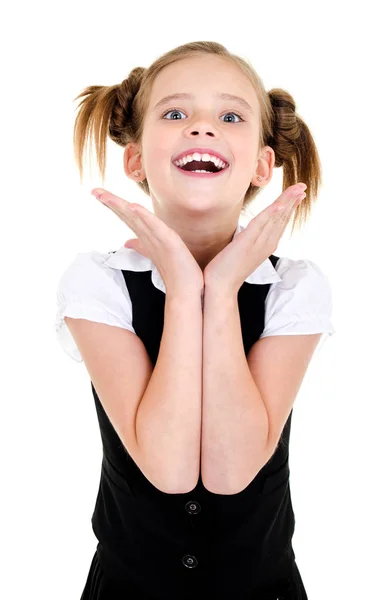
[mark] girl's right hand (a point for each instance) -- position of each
(178, 268)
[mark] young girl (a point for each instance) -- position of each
(196, 337)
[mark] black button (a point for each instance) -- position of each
(193, 507)
(189, 561)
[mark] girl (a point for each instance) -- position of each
(194, 496)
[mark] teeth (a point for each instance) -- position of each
(204, 157)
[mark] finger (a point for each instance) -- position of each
(138, 246)
(284, 201)
(115, 203)
(131, 221)
(160, 231)
(144, 224)
(270, 224)
(120, 207)
(285, 214)
(149, 227)
(285, 218)
(289, 194)
(129, 212)
(112, 201)
(108, 197)
(279, 220)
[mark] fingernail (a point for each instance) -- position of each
(97, 193)
(299, 189)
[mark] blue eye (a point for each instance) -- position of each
(232, 113)
(173, 110)
(176, 110)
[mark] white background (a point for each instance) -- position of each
(50, 441)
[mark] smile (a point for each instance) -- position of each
(200, 173)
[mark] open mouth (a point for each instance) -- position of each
(201, 168)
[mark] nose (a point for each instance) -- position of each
(207, 133)
(203, 125)
(204, 128)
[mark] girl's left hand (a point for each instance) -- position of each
(228, 270)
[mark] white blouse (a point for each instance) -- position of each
(93, 287)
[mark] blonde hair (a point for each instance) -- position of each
(119, 110)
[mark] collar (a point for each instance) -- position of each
(128, 259)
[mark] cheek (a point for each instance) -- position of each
(247, 160)
(157, 163)
(157, 153)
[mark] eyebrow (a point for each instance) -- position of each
(222, 96)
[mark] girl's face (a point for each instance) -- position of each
(204, 119)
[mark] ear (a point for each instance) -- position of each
(132, 160)
(265, 166)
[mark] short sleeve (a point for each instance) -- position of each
(301, 303)
(89, 289)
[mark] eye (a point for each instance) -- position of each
(232, 113)
(176, 110)
(172, 110)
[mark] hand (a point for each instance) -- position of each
(175, 263)
(229, 269)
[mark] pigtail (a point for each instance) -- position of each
(295, 151)
(106, 111)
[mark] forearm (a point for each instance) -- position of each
(234, 418)
(168, 423)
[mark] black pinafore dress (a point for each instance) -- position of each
(158, 546)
